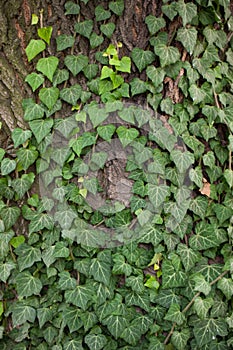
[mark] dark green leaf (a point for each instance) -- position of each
(47, 66)
(76, 63)
(142, 58)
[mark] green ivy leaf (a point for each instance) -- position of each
(27, 156)
(106, 131)
(39, 222)
(206, 330)
(41, 128)
(188, 38)
(189, 257)
(91, 71)
(117, 7)
(126, 135)
(71, 8)
(71, 95)
(170, 10)
(97, 115)
(100, 270)
(137, 86)
(132, 334)
(95, 40)
(154, 24)
(5, 270)
(142, 58)
(202, 306)
(7, 166)
(228, 174)
(95, 341)
(156, 75)
(65, 217)
(22, 313)
(167, 54)
(157, 194)
(44, 315)
(33, 111)
(115, 324)
(226, 286)
(76, 63)
(60, 76)
(201, 285)
(49, 96)
(45, 33)
(204, 238)
(20, 136)
(72, 319)
(47, 66)
(73, 344)
(124, 65)
(101, 14)
(79, 296)
(23, 184)
(187, 11)
(34, 80)
(84, 28)
(108, 29)
(180, 339)
(183, 160)
(27, 284)
(175, 315)
(34, 48)
(171, 277)
(27, 256)
(64, 41)
(120, 267)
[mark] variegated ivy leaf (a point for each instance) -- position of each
(207, 330)
(79, 296)
(71, 317)
(95, 341)
(202, 306)
(27, 284)
(5, 270)
(22, 313)
(175, 315)
(180, 339)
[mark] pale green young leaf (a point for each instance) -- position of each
(7, 166)
(41, 128)
(154, 24)
(142, 58)
(48, 66)
(95, 341)
(45, 33)
(84, 28)
(76, 63)
(34, 80)
(34, 48)
(188, 38)
(117, 7)
(202, 306)
(27, 284)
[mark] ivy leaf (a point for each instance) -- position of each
(100, 270)
(33, 111)
(117, 7)
(156, 75)
(79, 296)
(183, 160)
(115, 324)
(49, 96)
(84, 28)
(20, 136)
(97, 115)
(132, 334)
(65, 280)
(76, 63)
(95, 341)
(9, 216)
(189, 257)
(204, 237)
(5, 270)
(5, 238)
(64, 41)
(175, 315)
(138, 86)
(101, 14)
(154, 24)
(23, 184)
(95, 40)
(186, 10)
(41, 128)
(34, 80)
(202, 306)
(72, 8)
(45, 33)
(188, 38)
(226, 286)
(39, 222)
(27, 284)
(27, 256)
(180, 339)
(65, 217)
(167, 54)
(228, 174)
(72, 94)
(201, 285)
(73, 344)
(22, 313)
(124, 65)
(108, 29)
(142, 58)
(170, 10)
(44, 315)
(157, 194)
(106, 131)
(171, 277)
(34, 48)
(91, 71)
(206, 330)
(126, 136)
(72, 319)
(47, 66)
(27, 156)
(7, 166)
(120, 267)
